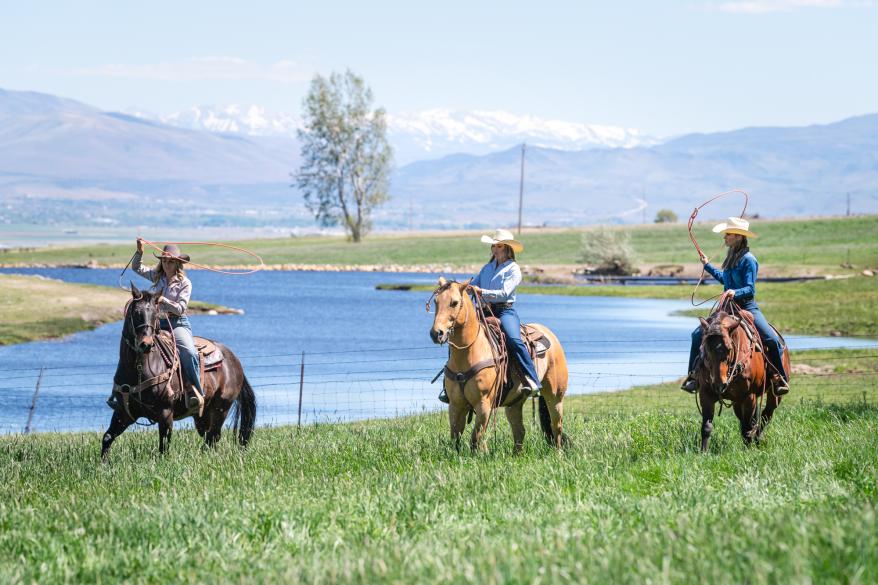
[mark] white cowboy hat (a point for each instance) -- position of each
(735, 225)
(504, 237)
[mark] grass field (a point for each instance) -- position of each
(631, 501)
(824, 307)
(786, 246)
(33, 308)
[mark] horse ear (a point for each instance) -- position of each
(442, 281)
(731, 322)
(135, 293)
(463, 285)
(704, 323)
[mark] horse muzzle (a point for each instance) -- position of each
(439, 336)
(146, 343)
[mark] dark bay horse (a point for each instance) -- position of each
(473, 376)
(149, 383)
(733, 369)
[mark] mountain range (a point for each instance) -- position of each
(65, 162)
(429, 134)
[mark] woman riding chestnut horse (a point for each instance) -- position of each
(738, 277)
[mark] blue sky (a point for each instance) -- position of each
(663, 67)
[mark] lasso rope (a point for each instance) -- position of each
(215, 244)
(695, 242)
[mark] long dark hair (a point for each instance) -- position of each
(510, 254)
(735, 253)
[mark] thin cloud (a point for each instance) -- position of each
(201, 69)
(769, 6)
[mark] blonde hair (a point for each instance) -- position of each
(159, 271)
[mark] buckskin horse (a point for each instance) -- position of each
(475, 373)
(149, 383)
(734, 368)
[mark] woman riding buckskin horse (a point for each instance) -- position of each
(738, 277)
(496, 283)
(169, 278)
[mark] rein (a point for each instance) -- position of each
(695, 242)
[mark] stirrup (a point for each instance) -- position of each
(780, 385)
(443, 397)
(113, 401)
(194, 399)
(690, 384)
(530, 387)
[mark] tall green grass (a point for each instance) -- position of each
(631, 501)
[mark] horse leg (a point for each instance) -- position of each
(483, 415)
(457, 411)
(555, 407)
(118, 424)
(707, 409)
(166, 427)
(747, 415)
(516, 421)
(217, 416)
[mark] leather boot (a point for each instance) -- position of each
(781, 386)
(690, 384)
(195, 399)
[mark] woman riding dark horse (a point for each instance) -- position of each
(738, 277)
(496, 283)
(169, 280)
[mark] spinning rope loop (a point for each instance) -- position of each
(155, 246)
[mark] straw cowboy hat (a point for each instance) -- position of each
(504, 237)
(735, 225)
(173, 252)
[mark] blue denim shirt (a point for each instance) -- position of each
(498, 283)
(740, 278)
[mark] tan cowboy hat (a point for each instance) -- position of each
(502, 236)
(173, 252)
(735, 225)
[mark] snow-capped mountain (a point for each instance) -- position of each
(427, 134)
(440, 132)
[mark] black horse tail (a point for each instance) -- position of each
(245, 413)
(546, 422)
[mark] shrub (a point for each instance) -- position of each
(607, 252)
(665, 216)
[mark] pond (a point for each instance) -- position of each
(367, 352)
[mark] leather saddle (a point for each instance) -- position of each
(536, 341)
(209, 355)
(749, 325)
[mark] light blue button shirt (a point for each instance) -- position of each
(498, 283)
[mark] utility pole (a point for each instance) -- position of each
(521, 188)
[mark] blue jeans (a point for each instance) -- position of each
(186, 347)
(511, 325)
(770, 341)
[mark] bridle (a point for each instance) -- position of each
(442, 289)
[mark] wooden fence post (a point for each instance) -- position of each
(301, 387)
(33, 404)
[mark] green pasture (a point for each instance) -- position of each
(846, 306)
(630, 501)
(786, 246)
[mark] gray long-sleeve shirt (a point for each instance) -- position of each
(174, 294)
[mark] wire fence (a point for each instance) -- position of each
(346, 385)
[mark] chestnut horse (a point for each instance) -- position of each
(734, 369)
(147, 387)
(472, 374)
